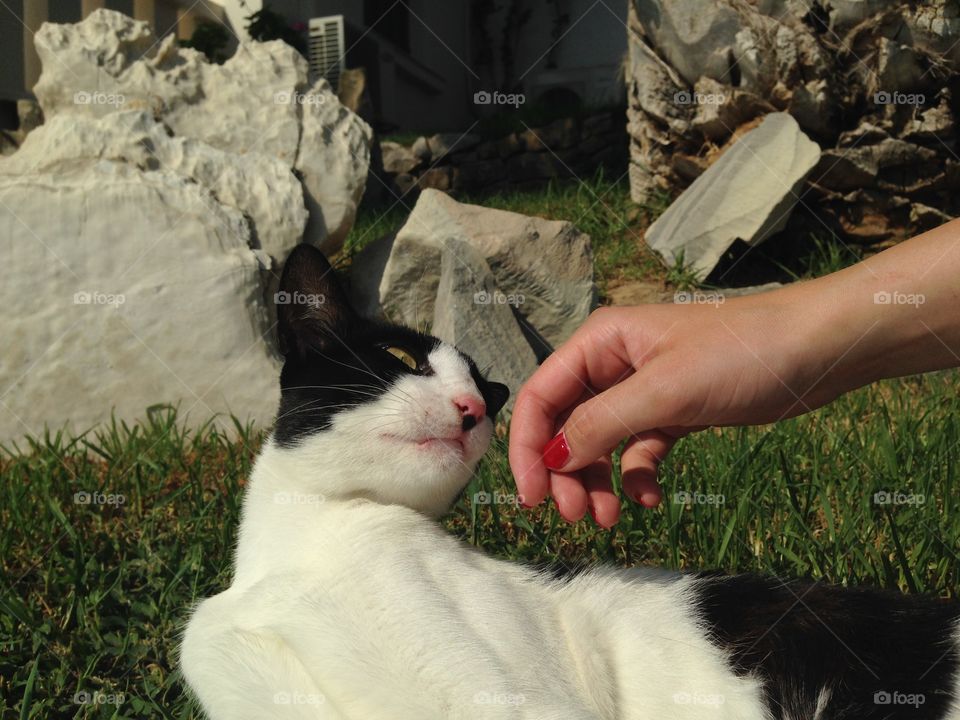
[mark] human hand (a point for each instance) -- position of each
(655, 373)
(651, 375)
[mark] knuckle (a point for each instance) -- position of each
(602, 314)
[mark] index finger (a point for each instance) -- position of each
(591, 360)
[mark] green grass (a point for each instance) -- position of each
(94, 596)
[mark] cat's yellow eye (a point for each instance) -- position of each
(403, 356)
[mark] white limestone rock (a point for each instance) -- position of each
(260, 187)
(333, 161)
(259, 101)
(546, 262)
(123, 289)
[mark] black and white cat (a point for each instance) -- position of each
(349, 600)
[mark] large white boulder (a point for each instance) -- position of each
(548, 263)
(124, 288)
(333, 158)
(747, 194)
(261, 187)
(259, 101)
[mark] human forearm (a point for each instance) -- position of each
(893, 314)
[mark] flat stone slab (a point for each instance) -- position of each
(747, 194)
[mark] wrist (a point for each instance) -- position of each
(863, 324)
(831, 334)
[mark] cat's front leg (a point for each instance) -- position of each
(239, 674)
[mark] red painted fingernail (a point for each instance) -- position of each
(557, 452)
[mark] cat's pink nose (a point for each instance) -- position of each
(472, 409)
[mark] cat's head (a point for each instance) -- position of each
(376, 410)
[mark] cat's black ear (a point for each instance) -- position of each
(312, 307)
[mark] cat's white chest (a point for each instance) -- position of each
(392, 613)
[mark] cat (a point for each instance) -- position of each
(349, 600)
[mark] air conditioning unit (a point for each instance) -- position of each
(326, 49)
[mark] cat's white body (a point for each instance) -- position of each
(353, 609)
(347, 606)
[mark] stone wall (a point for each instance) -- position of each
(467, 164)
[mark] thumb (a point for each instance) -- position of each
(596, 426)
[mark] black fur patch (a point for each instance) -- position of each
(880, 654)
